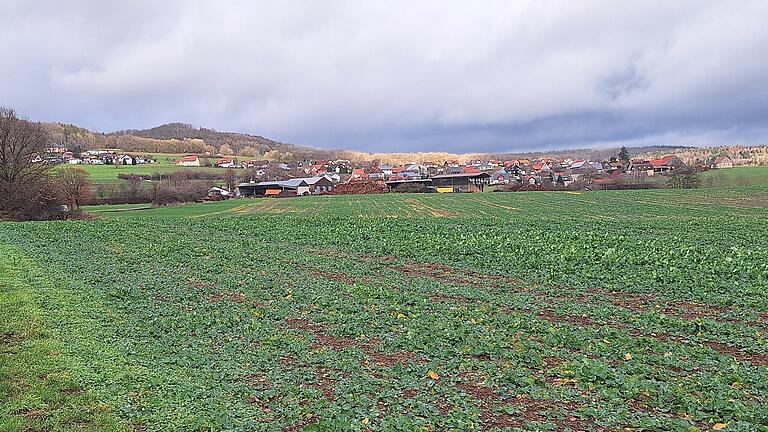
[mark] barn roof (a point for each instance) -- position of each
(461, 175)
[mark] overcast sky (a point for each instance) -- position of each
(396, 76)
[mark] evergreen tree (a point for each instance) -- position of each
(624, 154)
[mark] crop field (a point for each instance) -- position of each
(595, 311)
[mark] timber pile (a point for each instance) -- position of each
(532, 188)
(359, 187)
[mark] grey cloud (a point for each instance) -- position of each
(428, 75)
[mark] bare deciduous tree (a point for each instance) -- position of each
(102, 191)
(73, 185)
(132, 189)
(21, 169)
(230, 179)
(684, 178)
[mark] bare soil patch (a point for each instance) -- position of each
(235, 297)
(401, 358)
(9, 338)
(258, 381)
(754, 359)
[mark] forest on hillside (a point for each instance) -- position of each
(740, 155)
(180, 138)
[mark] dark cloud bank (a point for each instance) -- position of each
(397, 76)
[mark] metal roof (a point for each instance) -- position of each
(409, 181)
(461, 175)
(291, 183)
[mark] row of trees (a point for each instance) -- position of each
(135, 191)
(703, 156)
(79, 139)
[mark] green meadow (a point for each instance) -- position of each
(604, 311)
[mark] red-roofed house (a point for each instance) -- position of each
(375, 173)
(226, 163)
(190, 160)
(667, 163)
(316, 169)
(359, 174)
(722, 162)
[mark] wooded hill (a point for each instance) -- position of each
(184, 138)
(176, 138)
(740, 155)
(222, 142)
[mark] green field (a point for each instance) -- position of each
(109, 173)
(164, 165)
(616, 310)
(736, 177)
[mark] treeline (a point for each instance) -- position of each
(179, 138)
(169, 139)
(227, 176)
(75, 138)
(594, 154)
(702, 156)
(226, 143)
(136, 190)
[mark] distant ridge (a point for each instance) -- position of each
(186, 138)
(239, 141)
(236, 141)
(598, 153)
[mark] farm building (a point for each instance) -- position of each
(292, 187)
(650, 167)
(218, 193)
(189, 161)
(227, 163)
(667, 163)
(722, 162)
(411, 185)
(462, 182)
(639, 167)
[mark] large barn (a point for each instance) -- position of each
(292, 187)
(462, 182)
